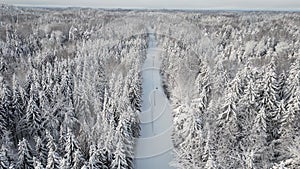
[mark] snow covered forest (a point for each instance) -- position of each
(71, 93)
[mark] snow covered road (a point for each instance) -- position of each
(154, 147)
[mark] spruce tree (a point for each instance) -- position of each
(94, 161)
(25, 157)
(41, 150)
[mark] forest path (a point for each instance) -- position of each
(154, 147)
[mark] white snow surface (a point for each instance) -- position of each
(154, 147)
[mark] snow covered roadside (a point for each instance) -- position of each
(154, 147)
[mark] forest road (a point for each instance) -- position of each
(154, 147)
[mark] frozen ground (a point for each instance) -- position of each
(154, 147)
